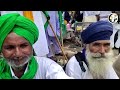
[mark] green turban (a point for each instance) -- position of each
(18, 24)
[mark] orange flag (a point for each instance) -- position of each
(28, 14)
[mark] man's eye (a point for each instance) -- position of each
(107, 44)
(9, 47)
(23, 46)
(96, 44)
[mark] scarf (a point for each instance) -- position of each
(5, 72)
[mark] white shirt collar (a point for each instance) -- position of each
(13, 75)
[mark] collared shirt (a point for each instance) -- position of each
(13, 75)
(47, 69)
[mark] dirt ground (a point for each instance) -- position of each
(70, 48)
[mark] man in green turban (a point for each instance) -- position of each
(17, 35)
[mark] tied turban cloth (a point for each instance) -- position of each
(100, 30)
(18, 24)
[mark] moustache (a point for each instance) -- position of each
(98, 55)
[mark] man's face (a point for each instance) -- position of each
(99, 48)
(100, 58)
(16, 50)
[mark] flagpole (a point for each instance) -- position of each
(58, 42)
(61, 37)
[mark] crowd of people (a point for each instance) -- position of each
(20, 59)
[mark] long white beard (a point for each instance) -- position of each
(99, 65)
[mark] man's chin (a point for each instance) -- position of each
(17, 65)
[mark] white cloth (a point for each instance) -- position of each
(90, 16)
(6, 12)
(116, 27)
(73, 69)
(41, 46)
(54, 20)
(90, 13)
(47, 69)
(104, 15)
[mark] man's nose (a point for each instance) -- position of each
(102, 50)
(18, 52)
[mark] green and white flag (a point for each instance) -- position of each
(46, 18)
(61, 21)
(62, 24)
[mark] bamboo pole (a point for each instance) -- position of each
(61, 37)
(58, 42)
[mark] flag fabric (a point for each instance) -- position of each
(62, 24)
(41, 46)
(54, 21)
(28, 14)
(47, 18)
(59, 20)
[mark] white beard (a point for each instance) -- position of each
(98, 65)
(17, 66)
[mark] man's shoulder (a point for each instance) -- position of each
(44, 60)
(72, 60)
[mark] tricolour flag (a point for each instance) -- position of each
(28, 14)
(41, 46)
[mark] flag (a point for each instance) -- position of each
(28, 14)
(62, 24)
(47, 18)
(41, 46)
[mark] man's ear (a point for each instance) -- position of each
(84, 45)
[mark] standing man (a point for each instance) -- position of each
(98, 57)
(54, 20)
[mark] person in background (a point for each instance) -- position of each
(51, 39)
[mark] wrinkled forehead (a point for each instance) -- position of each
(13, 38)
(98, 42)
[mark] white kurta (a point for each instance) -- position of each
(48, 69)
(73, 69)
(116, 27)
(41, 46)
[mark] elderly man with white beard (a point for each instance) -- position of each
(98, 54)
